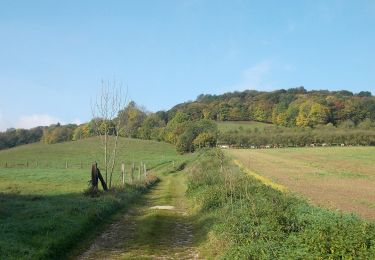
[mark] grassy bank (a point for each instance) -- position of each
(47, 226)
(43, 210)
(253, 221)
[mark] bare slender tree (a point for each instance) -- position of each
(108, 123)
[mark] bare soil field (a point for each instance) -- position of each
(340, 178)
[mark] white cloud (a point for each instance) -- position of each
(77, 121)
(3, 123)
(291, 27)
(36, 120)
(254, 77)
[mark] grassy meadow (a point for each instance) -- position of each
(43, 211)
(334, 177)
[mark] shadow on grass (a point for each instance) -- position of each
(144, 232)
(49, 226)
(152, 234)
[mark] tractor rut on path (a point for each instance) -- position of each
(158, 227)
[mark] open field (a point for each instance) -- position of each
(244, 125)
(43, 211)
(337, 178)
(86, 151)
(245, 219)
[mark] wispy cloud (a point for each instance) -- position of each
(291, 26)
(30, 121)
(3, 122)
(77, 121)
(254, 77)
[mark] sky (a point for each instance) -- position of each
(54, 54)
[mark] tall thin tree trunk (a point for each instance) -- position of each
(113, 161)
(105, 155)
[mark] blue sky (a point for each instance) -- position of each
(53, 54)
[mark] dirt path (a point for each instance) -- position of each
(159, 227)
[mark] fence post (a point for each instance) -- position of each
(66, 165)
(94, 176)
(132, 174)
(6, 164)
(123, 174)
(173, 164)
(144, 170)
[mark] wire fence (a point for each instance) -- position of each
(36, 164)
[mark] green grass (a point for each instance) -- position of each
(225, 126)
(43, 211)
(86, 151)
(254, 221)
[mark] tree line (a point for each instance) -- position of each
(297, 137)
(302, 117)
(186, 133)
(295, 107)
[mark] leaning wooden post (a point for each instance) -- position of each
(104, 185)
(123, 174)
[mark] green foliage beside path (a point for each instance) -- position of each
(254, 221)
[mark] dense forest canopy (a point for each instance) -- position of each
(301, 117)
(292, 107)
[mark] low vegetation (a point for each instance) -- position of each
(44, 211)
(251, 220)
(275, 136)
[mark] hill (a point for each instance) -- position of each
(292, 107)
(86, 151)
(189, 125)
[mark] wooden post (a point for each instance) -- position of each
(94, 176)
(66, 165)
(144, 170)
(173, 164)
(6, 164)
(104, 185)
(123, 174)
(132, 174)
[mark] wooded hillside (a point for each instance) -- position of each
(292, 107)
